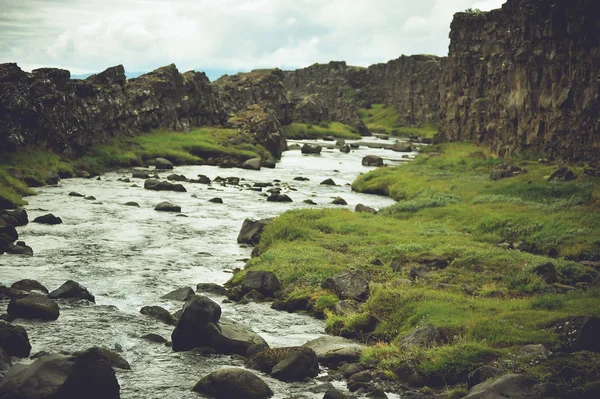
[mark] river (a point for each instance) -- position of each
(129, 257)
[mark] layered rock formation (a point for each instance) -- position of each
(48, 108)
(526, 77)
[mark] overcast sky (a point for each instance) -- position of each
(222, 35)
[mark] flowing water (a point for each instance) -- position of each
(129, 257)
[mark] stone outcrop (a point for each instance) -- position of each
(525, 77)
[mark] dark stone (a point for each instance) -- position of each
(18, 217)
(297, 367)
(363, 208)
(264, 282)
(311, 149)
(348, 285)
(339, 201)
(216, 200)
(180, 294)
(482, 374)
(158, 185)
(279, 198)
(547, 272)
(34, 306)
(176, 177)
(197, 313)
(109, 356)
(14, 340)
(400, 146)
(72, 289)
(252, 164)
(162, 163)
(19, 249)
(309, 202)
(212, 288)
(251, 231)
(132, 203)
(267, 359)
(154, 338)
(562, 174)
(29, 285)
(508, 386)
(48, 219)
(166, 206)
(160, 314)
(345, 149)
(301, 178)
(233, 383)
(5, 362)
(328, 182)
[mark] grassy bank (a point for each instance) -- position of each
(298, 131)
(381, 118)
(487, 301)
(31, 166)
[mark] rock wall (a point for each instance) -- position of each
(526, 77)
(48, 108)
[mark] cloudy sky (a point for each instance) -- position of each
(222, 35)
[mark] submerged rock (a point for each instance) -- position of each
(166, 206)
(180, 294)
(72, 289)
(109, 356)
(232, 383)
(158, 185)
(311, 149)
(160, 314)
(48, 219)
(372, 160)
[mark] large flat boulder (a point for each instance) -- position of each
(332, 351)
(33, 306)
(233, 383)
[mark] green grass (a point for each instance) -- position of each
(381, 118)
(195, 147)
(487, 301)
(299, 131)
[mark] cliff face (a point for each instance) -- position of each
(46, 107)
(526, 76)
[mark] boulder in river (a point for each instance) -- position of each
(109, 356)
(348, 285)
(160, 314)
(400, 146)
(19, 249)
(140, 174)
(339, 201)
(190, 330)
(504, 171)
(158, 185)
(33, 306)
(132, 203)
(212, 288)
(231, 383)
(333, 351)
(17, 217)
(5, 362)
(216, 200)
(14, 340)
(60, 376)
(328, 182)
(252, 230)
(29, 285)
(230, 337)
(297, 366)
(252, 164)
(180, 294)
(203, 179)
(279, 198)
(72, 289)
(311, 149)
(372, 160)
(176, 177)
(48, 219)
(76, 194)
(166, 206)
(162, 163)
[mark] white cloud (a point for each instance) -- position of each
(86, 35)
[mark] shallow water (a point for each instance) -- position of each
(129, 257)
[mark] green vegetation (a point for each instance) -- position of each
(488, 301)
(299, 131)
(30, 166)
(384, 119)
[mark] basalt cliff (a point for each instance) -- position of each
(525, 77)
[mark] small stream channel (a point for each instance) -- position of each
(129, 257)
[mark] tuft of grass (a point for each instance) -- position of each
(299, 131)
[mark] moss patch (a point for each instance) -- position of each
(381, 118)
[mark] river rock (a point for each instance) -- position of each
(400, 146)
(333, 351)
(339, 201)
(328, 182)
(297, 366)
(482, 374)
(132, 203)
(265, 360)
(216, 200)
(29, 285)
(140, 174)
(232, 383)
(159, 339)
(60, 376)
(264, 282)
(162, 163)
(190, 330)
(252, 230)
(311, 149)
(76, 194)
(5, 362)
(348, 285)
(335, 394)
(212, 288)
(203, 179)
(562, 174)
(72, 289)
(309, 202)
(48, 219)
(17, 217)
(33, 306)
(109, 356)
(345, 149)
(176, 177)
(509, 386)
(230, 337)
(14, 340)
(252, 164)
(160, 314)
(180, 294)
(19, 249)
(364, 208)
(279, 198)
(166, 206)
(158, 185)
(372, 160)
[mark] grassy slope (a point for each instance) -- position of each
(448, 208)
(384, 119)
(304, 131)
(180, 148)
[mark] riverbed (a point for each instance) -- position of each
(129, 257)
